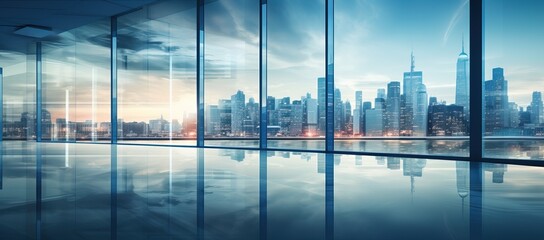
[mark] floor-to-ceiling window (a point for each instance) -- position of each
(75, 84)
(296, 74)
(401, 76)
(18, 79)
(513, 84)
(231, 73)
(156, 74)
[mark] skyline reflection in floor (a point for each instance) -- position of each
(191, 193)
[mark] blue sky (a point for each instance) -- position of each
(373, 40)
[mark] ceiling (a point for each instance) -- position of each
(59, 15)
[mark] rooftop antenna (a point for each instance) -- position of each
(412, 61)
(463, 43)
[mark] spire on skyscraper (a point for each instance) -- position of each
(412, 61)
(463, 43)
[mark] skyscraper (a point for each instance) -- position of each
(252, 117)
(358, 99)
(374, 122)
(446, 120)
(285, 115)
(537, 117)
(311, 112)
(339, 121)
(295, 128)
(392, 110)
(420, 114)
(411, 81)
(366, 106)
(358, 113)
(348, 120)
(238, 113)
(496, 103)
(462, 87)
(273, 117)
(357, 126)
(212, 120)
(224, 117)
(321, 105)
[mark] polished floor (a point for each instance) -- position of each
(95, 191)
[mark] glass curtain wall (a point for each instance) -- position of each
(513, 84)
(156, 53)
(401, 80)
(18, 94)
(402, 77)
(231, 73)
(75, 84)
(296, 74)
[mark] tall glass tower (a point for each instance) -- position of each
(321, 105)
(411, 82)
(462, 97)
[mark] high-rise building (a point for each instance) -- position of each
(212, 120)
(285, 117)
(295, 128)
(374, 122)
(273, 117)
(411, 82)
(357, 126)
(311, 112)
(358, 99)
(358, 120)
(348, 118)
(252, 117)
(406, 117)
(224, 117)
(496, 103)
(513, 115)
(537, 116)
(238, 113)
(374, 118)
(321, 95)
(366, 106)
(339, 121)
(392, 109)
(446, 120)
(420, 114)
(524, 116)
(462, 86)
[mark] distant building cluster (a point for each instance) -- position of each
(397, 110)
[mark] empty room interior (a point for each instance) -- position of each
(271, 119)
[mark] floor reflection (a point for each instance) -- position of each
(88, 191)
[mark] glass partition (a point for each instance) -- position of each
(18, 82)
(76, 83)
(157, 74)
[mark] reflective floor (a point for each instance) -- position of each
(92, 191)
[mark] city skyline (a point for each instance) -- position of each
(433, 43)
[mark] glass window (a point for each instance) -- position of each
(18, 94)
(231, 76)
(76, 83)
(401, 76)
(513, 110)
(296, 70)
(156, 74)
